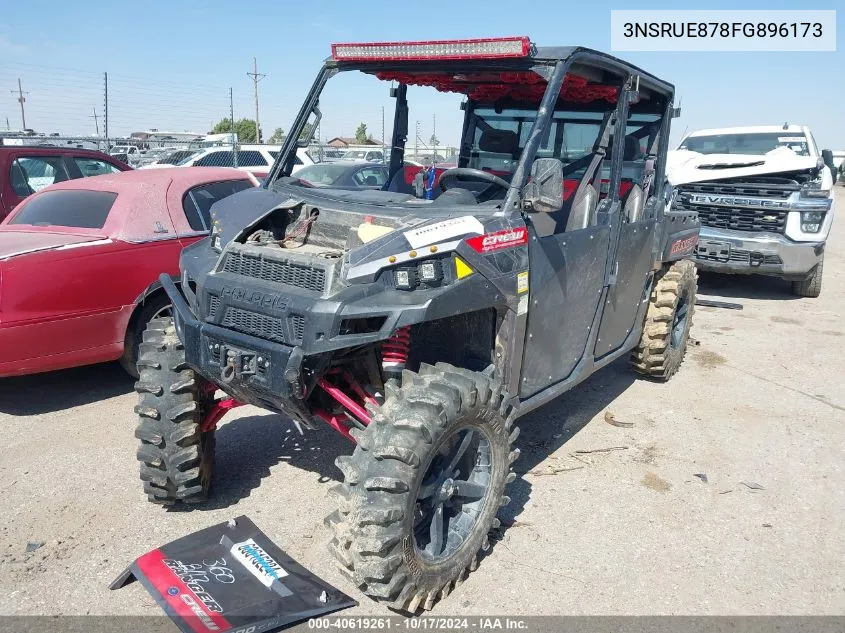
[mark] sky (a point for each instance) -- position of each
(171, 64)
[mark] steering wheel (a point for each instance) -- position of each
(469, 172)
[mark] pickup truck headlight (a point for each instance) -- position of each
(811, 221)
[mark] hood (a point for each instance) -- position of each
(15, 243)
(684, 166)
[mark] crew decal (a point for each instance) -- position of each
(499, 240)
(183, 591)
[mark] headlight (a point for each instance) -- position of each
(811, 221)
(406, 278)
(427, 273)
(216, 242)
(430, 272)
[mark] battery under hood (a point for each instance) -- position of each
(683, 166)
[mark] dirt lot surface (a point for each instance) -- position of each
(758, 407)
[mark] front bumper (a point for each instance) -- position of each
(763, 253)
(250, 369)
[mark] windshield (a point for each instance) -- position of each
(325, 174)
(754, 143)
(457, 115)
(177, 157)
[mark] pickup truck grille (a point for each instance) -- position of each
(725, 189)
(263, 326)
(738, 219)
(276, 271)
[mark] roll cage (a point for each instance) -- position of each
(547, 75)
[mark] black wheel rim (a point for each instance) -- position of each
(679, 322)
(452, 494)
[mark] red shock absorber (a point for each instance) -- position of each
(394, 352)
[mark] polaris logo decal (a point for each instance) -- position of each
(259, 563)
(733, 201)
(254, 297)
(500, 239)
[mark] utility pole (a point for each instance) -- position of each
(106, 108)
(255, 79)
(382, 133)
(232, 129)
(417, 142)
(96, 121)
(434, 131)
(21, 100)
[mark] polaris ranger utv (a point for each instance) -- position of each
(421, 319)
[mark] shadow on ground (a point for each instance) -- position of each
(248, 447)
(58, 390)
(744, 286)
(545, 430)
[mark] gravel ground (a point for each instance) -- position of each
(759, 400)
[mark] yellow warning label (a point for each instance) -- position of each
(462, 269)
(522, 282)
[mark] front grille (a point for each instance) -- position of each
(744, 257)
(276, 271)
(739, 189)
(256, 324)
(213, 304)
(297, 327)
(738, 219)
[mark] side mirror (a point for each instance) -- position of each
(827, 157)
(544, 194)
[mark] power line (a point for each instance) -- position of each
(255, 79)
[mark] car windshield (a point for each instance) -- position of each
(753, 143)
(325, 174)
(177, 157)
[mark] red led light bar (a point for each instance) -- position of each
(487, 48)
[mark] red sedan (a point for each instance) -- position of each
(80, 260)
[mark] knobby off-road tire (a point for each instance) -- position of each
(667, 323)
(374, 537)
(156, 307)
(811, 286)
(177, 459)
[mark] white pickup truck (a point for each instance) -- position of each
(764, 196)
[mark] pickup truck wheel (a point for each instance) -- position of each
(176, 458)
(667, 323)
(811, 286)
(156, 308)
(423, 486)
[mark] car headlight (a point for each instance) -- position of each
(811, 221)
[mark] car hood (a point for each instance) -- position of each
(14, 243)
(683, 166)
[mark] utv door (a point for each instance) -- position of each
(566, 273)
(568, 258)
(633, 252)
